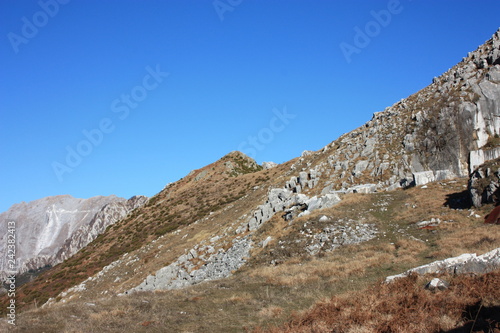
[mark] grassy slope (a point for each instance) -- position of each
(265, 295)
(206, 190)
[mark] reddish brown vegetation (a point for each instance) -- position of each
(494, 216)
(471, 304)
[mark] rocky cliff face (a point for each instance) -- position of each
(484, 183)
(52, 229)
(443, 131)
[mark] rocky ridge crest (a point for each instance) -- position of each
(443, 131)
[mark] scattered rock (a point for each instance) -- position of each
(437, 284)
(266, 241)
(428, 224)
(342, 232)
(183, 273)
(424, 177)
(363, 188)
(484, 183)
(269, 165)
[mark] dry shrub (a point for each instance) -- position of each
(271, 311)
(405, 306)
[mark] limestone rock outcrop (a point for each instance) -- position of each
(224, 254)
(183, 272)
(463, 264)
(484, 183)
(443, 131)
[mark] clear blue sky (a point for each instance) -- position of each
(164, 87)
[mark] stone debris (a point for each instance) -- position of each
(437, 284)
(324, 218)
(429, 224)
(343, 232)
(266, 241)
(484, 184)
(183, 272)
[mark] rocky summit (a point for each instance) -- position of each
(409, 188)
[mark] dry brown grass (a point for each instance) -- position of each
(351, 261)
(177, 207)
(407, 250)
(471, 302)
(477, 238)
(244, 297)
(264, 294)
(271, 311)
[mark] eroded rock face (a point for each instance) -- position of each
(108, 215)
(443, 131)
(484, 183)
(183, 272)
(52, 229)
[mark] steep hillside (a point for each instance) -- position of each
(308, 222)
(282, 276)
(193, 198)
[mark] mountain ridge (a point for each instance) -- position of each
(217, 219)
(51, 229)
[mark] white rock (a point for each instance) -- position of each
(266, 241)
(437, 284)
(424, 177)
